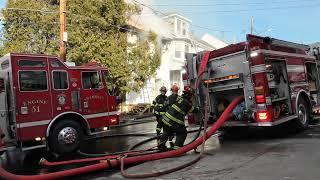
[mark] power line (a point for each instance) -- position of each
(232, 4)
(258, 9)
(164, 14)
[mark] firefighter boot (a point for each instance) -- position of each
(158, 137)
(162, 147)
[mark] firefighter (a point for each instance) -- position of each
(173, 119)
(174, 95)
(159, 108)
(170, 100)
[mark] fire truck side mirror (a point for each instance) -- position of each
(99, 85)
(119, 99)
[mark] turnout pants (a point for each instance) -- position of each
(159, 124)
(169, 131)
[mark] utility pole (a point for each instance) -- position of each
(251, 25)
(63, 33)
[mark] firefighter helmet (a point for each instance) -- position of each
(175, 88)
(163, 89)
(188, 91)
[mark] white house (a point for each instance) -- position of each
(176, 39)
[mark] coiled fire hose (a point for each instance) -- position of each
(115, 161)
(97, 157)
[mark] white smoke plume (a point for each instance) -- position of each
(149, 20)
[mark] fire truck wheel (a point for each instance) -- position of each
(302, 121)
(65, 137)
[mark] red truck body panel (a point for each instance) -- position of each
(63, 90)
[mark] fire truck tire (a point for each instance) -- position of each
(302, 121)
(65, 137)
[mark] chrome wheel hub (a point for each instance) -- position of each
(67, 135)
(302, 114)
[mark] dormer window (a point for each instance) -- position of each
(178, 26)
(184, 29)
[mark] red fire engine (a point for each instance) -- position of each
(278, 79)
(44, 100)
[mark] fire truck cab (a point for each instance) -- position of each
(278, 79)
(46, 103)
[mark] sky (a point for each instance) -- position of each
(229, 20)
(2, 3)
(291, 20)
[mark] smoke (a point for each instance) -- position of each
(149, 20)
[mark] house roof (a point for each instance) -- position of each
(174, 14)
(213, 41)
(204, 43)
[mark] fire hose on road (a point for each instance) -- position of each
(86, 157)
(96, 157)
(112, 162)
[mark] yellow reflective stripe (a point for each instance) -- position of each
(192, 108)
(157, 112)
(165, 122)
(180, 100)
(158, 129)
(178, 109)
(160, 105)
(174, 119)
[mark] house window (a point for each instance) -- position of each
(177, 54)
(186, 48)
(184, 29)
(178, 26)
(178, 49)
(175, 77)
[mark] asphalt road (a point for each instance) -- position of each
(245, 155)
(255, 155)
